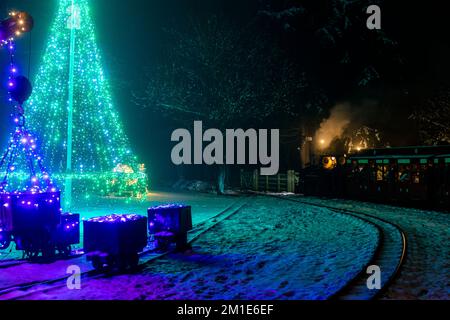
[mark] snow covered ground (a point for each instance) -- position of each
(203, 204)
(272, 249)
(426, 272)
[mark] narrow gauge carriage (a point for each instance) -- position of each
(410, 175)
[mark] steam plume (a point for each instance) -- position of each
(333, 127)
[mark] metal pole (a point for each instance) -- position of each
(68, 185)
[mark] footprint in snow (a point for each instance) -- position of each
(261, 264)
(221, 279)
(289, 294)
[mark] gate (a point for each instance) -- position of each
(282, 182)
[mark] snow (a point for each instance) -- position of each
(204, 205)
(272, 249)
(426, 272)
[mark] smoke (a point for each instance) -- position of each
(334, 127)
(351, 127)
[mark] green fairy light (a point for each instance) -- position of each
(102, 162)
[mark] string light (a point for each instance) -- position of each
(99, 141)
(32, 175)
(14, 26)
(21, 152)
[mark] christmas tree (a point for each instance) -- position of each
(71, 109)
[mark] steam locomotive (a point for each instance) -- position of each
(406, 176)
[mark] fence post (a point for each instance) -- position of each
(255, 180)
(291, 181)
(278, 183)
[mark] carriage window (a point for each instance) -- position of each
(404, 174)
(364, 169)
(373, 171)
(416, 174)
(355, 167)
(379, 173)
(386, 172)
(363, 166)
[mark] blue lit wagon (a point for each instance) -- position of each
(35, 223)
(115, 240)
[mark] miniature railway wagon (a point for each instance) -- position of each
(170, 224)
(115, 240)
(35, 223)
(68, 232)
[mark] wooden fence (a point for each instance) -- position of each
(282, 182)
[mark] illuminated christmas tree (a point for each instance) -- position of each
(71, 109)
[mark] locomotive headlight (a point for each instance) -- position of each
(329, 163)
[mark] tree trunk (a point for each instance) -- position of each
(221, 177)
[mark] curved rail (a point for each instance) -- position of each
(357, 289)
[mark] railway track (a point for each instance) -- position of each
(23, 290)
(389, 256)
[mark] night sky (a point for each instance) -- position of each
(132, 38)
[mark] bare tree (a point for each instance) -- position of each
(363, 138)
(223, 75)
(338, 28)
(433, 117)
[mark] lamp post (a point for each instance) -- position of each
(73, 24)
